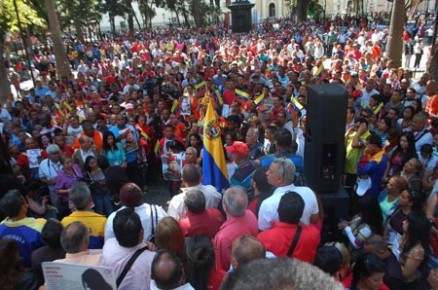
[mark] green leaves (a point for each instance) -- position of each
(8, 16)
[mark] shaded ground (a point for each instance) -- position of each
(157, 194)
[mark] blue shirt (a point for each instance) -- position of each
(41, 92)
(27, 233)
(298, 161)
(115, 157)
(375, 168)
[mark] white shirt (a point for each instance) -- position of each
(421, 139)
(85, 154)
(49, 170)
(176, 205)
(74, 131)
(128, 87)
(420, 89)
(144, 211)
(5, 115)
(364, 101)
(116, 257)
(428, 163)
(186, 286)
(268, 210)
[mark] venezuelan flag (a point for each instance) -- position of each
(200, 88)
(157, 147)
(214, 166)
(217, 97)
(297, 106)
(241, 96)
(259, 99)
(175, 108)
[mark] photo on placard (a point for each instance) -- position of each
(172, 165)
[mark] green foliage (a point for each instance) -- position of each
(8, 16)
(84, 10)
(115, 7)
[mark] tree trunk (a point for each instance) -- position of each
(112, 24)
(62, 64)
(302, 7)
(5, 85)
(394, 49)
(433, 65)
(79, 31)
(197, 16)
(135, 16)
(178, 21)
(130, 23)
(186, 18)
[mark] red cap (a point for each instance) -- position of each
(171, 158)
(357, 94)
(238, 148)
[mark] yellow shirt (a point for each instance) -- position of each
(353, 154)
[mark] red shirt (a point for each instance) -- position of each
(68, 151)
(279, 238)
(347, 283)
(215, 279)
(207, 222)
(232, 229)
(229, 97)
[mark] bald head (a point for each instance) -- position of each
(166, 270)
(75, 238)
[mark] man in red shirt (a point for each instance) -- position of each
(230, 93)
(199, 220)
(240, 222)
(280, 237)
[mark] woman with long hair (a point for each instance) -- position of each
(409, 201)
(404, 152)
(262, 190)
(98, 186)
(415, 250)
(12, 275)
(113, 150)
(368, 273)
(405, 122)
(201, 273)
(169, 235)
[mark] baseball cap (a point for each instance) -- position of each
(238, 148)
(129, 106)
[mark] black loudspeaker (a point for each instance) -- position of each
(324, 137)
(336, 208)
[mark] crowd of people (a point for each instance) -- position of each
(79, 153)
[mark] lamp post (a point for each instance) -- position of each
(427, 11)
(435, 27)
(24, 42)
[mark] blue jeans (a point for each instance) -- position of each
(102, 203)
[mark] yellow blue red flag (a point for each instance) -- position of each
(214, 166)
(241, 96)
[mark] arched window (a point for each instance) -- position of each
(272, 10)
